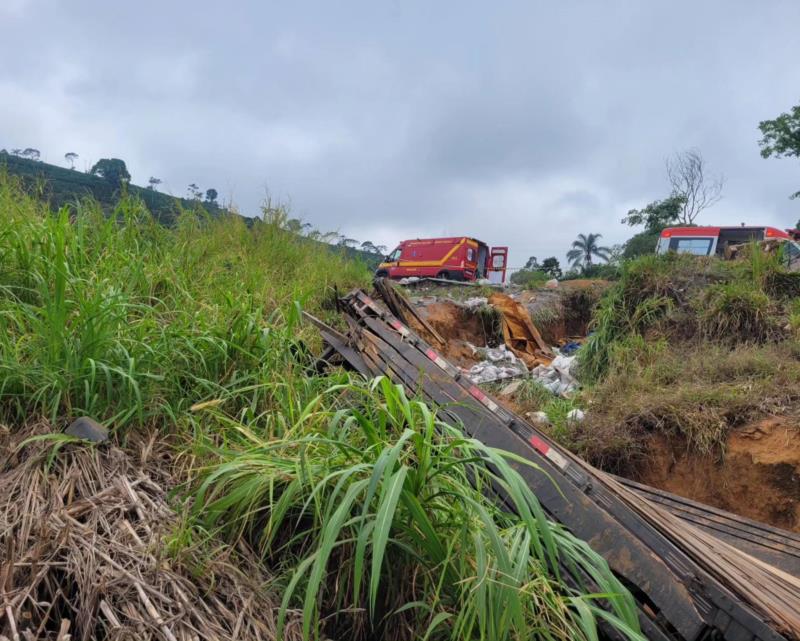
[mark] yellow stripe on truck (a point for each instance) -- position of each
(432, 263)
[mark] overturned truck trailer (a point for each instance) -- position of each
(690, 582)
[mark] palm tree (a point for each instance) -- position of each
(583, 248)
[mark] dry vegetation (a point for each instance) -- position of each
(94, 548)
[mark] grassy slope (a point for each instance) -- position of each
(358, 501)
(689, 348)
(135, 321)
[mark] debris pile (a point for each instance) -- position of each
(558, 376)
(82, 552)
(519, 332)
(524, 352)
(497, 363)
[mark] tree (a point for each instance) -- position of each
(211, 196)
(16, 152)
(344, 241)
(583, 248)
(194, 191)
(532, 263)
(113, 170)
(655, 217)
(687, 176)
(71, 157)
(551, 267)
(31, 154)
(640, 244)
(368, 246)
(294, 225)
(153, 182)
(781, 137)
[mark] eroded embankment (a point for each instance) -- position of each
(758, 476)
(692, 383)
(460, 327)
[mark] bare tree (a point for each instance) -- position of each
(687, 176)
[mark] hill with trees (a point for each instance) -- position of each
(109, 179)
(105, 182)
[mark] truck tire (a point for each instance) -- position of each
(381, 273)
(443, 274)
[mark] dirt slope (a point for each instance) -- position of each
(758, 477)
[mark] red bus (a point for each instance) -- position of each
(456, 258)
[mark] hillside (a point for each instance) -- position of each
(60, 186)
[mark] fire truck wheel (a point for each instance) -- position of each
(443, 274)
(381, 273)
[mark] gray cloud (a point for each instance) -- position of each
(523, 124)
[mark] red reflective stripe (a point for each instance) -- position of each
(539, 445)
(477, 393)
(431, 354)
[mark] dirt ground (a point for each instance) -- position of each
(759, 476)
(458, 327)
(563, 313)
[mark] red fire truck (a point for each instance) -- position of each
(456, 258)
(710, 241)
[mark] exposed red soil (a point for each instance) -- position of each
(458, 327)
(759, 476)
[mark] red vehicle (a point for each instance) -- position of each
(457, 258)
(710, 241)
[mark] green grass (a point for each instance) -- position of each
(685, 298)
(531, 396)
(368, 510)
(386, 515)
(689, 348)
(529, 279)
(61, 186)
(130, 322)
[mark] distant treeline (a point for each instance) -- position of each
(61, 186)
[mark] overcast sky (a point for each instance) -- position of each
(520, 123)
